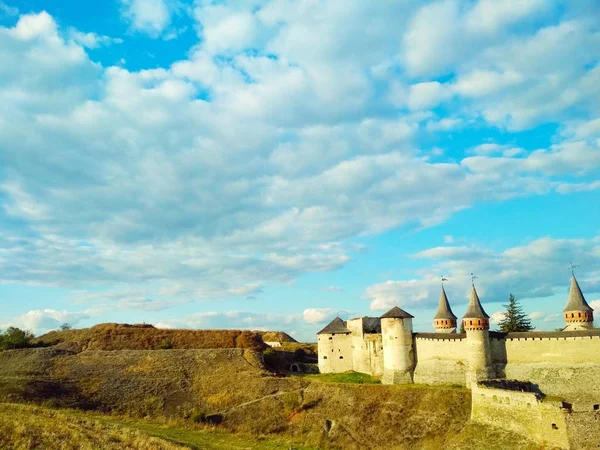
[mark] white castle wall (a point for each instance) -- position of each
(564, 364)
(335, 353)
(440, 360)
(523, 413)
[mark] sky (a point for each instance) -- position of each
(270, 164)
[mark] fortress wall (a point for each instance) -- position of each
(562, 366)
(440, 361)
(522, 413)
(335, 353)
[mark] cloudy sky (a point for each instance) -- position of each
(273, 163)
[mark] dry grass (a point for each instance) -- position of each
(275, 336)
(26, 427)
(112, 336)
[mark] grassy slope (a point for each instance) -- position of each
(234, 384)
(27, 427)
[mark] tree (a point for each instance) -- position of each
(514, 317)
(65, 326)
(15, 338)
(462, 327)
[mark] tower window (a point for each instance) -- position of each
(596, 407)
(341, 357)
(324, 357)
(554, 427)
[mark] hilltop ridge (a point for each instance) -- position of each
(116, 336)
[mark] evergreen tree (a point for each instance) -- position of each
(514, 317)
(462, 327)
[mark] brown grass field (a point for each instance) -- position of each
(112, 336)
(231, 391)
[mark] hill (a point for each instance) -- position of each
(230, 389)
(275, 336)
(113, 336)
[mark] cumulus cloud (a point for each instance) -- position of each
(147, 16)
(534, 270)
(128, 178)
(318, 315)
(42, 321)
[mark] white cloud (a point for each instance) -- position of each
(42, 321)
(534, 270)
(8, 10)
(147, 16)
(144, 166)
(496, 317)
(92, 40)
(318, 315)
(537, 315)
(333, 289)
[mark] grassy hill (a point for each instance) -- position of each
(219, 380)
(113, 336)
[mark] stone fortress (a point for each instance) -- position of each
(540, 384)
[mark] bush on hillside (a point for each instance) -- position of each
(14, 338)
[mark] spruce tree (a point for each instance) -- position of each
(514, 317)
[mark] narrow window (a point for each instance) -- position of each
(330, 338)
(324, 357)
(579, 314)
(470, 322)
(572, 315)
(554, 427)
(596, 407)
(341, 357)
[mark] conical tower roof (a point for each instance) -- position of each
(336, 326)
(444, 311)
(397, 313)
(475, 310)
(576, 299)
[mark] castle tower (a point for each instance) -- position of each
(578, 314)
(444, 320)
(335, 347)
(398, 348)
(476, 323)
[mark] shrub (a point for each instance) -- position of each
(15, 338)
(165, 344)
(270, 356)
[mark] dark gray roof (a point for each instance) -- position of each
(336, 326)
(397, 313)
(444, 311)
(576, 299)
(475, 310)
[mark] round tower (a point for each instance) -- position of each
(578, 314)
(398, 348)
(444, 320)
(477, 324)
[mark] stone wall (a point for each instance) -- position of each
(522, 413)
(561, 364)
(440, 358)
(335, 353)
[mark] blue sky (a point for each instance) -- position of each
(269, 164)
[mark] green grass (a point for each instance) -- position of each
(346, 377)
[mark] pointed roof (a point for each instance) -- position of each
(475, 310)
(444, 311)
(397, 313)
(336, 326)
(576, 299)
